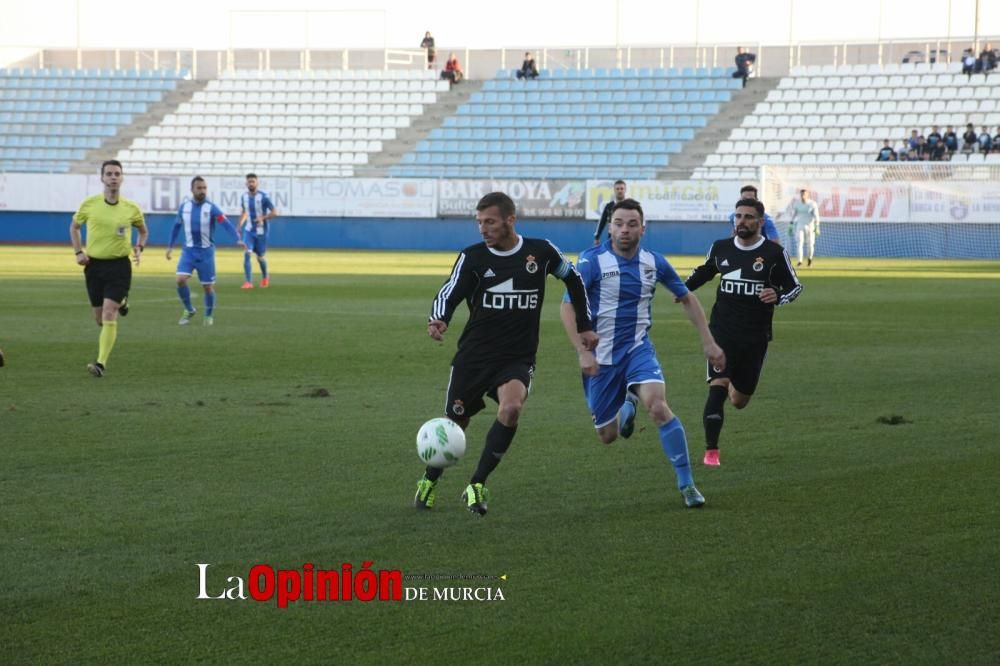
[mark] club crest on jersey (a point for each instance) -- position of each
(758, 264)
(531, 266)
(458, 408)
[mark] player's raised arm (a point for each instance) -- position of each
(702, 274)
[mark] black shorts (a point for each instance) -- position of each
(744, 363)
(468, 385)
(108, 278)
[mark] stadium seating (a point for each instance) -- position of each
(323, 123)
(50, 118)
(572, 124)
(841, 115)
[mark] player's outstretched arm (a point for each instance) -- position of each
(588, 362)
(696, 315)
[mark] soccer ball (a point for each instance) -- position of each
(440, 443)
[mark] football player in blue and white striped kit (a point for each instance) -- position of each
(621, 277)
(257, 210)
(197, 217)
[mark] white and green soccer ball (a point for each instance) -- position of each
(440, 443)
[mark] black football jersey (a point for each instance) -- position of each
(504, 292)
(746, 271)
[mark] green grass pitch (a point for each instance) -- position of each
(828, 537)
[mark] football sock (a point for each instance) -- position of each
(498, 440)
(433, 473)
(263, 266)
(185, 296)
(109, 331)
(246, 266)
(209, 303)
(626, 412)
(675, 447)
(714, 415)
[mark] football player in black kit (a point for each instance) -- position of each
(757, 276)
(502, 280)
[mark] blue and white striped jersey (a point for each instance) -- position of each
(198, 222)
(620, 292)
(256, 205)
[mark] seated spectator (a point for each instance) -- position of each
(914, 156)
(968, 63)
(452, 70)
(950, 140)
(970, 139)
(996, 141)
(744, 64)
(985, 141)
(914, 141)
(886, 154)
(987, 59)
(903, 149)
(935, 144)
(528, 68)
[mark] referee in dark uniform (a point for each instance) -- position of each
(606, 213)
(109, 219)
(757, 276)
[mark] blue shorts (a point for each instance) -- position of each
(256, 244)
(605, 392)
(201, 259)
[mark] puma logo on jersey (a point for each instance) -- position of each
(734, 283)
(504, 297)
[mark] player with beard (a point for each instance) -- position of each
(621, 278)
(502, 280)
(757, 276)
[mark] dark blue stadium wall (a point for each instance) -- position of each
(381, 233)
(956, 241)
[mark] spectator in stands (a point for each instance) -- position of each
(968, 63)
(985, 141)
(452, 70)
(886, 154)
(987, 59)
(935, 144)
(970, 139)
(528, 68)
(744, 64)
(903, 150)
(950, 141)
(428, 44)
(913, 143)
(996, 141)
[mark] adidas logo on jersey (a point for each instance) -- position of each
(489, 273)
(725, 262)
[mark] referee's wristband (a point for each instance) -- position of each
(140, 247)
(79, 252)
